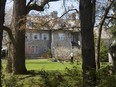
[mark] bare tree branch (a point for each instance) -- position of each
(61, 15)
(112, 17)
(9, 31)
(69, 11)
(100, 31)
(34, 7)
(29, 2)
(44, 2)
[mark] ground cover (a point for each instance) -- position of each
(39, 68)
(46, 73)
(46, 64)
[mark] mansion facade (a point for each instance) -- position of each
(60, 40)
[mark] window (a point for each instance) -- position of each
(45, 36)
(36, 36)
(36, 49)
(61, 36)
(29, 23)
(29, 49)
(32, 49)
(27, 36)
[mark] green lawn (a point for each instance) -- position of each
(35, 78)
(46, 64)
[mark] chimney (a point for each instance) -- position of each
(54, 14)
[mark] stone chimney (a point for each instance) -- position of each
(73, 16)
(54, 14)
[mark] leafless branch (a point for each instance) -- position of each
(100, 30)
(44, 2)
(8, 30)
(34, 7)
(112, 17)
(29, 2)
(69, 11)
(62, 15)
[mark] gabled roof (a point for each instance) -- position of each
(48, 23)
(105, 33)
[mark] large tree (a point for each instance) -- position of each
(87, 18)
(20, 10)
(2, 14)
(102, 22)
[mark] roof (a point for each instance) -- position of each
(48, 23)
(105, 33)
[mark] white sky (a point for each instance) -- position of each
(54, 6)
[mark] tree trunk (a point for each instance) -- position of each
(19, 25)
(88, 51)
(1, 33)
(112, 51)
(20, 10)
(9, 59)
(2, 14)
(100, 32)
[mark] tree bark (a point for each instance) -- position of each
(11, 45)
(1, 33)
(2, 14)
(9, 59)
(87, 18)
(20, 10)
(19, 27)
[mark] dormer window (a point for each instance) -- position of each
(36, 36)
(61, 36)
(45, 36)
(29, 23)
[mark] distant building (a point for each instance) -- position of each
(106, 36)
(59, 36)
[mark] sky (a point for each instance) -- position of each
(53, 6)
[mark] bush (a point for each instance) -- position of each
(103, 52)
(51, 79)
(12, 81)
(103, 49)
(105, 77)
(47, 54)
(71, 78)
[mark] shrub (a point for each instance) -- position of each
(105, 77)
(12, 81)
(71, 78)
(47, 54)
(103, 52)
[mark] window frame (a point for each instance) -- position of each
(61, 36)
(37, 35)
(45, 35)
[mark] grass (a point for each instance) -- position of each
(36, 65)
(34, 79)
(46, 64)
